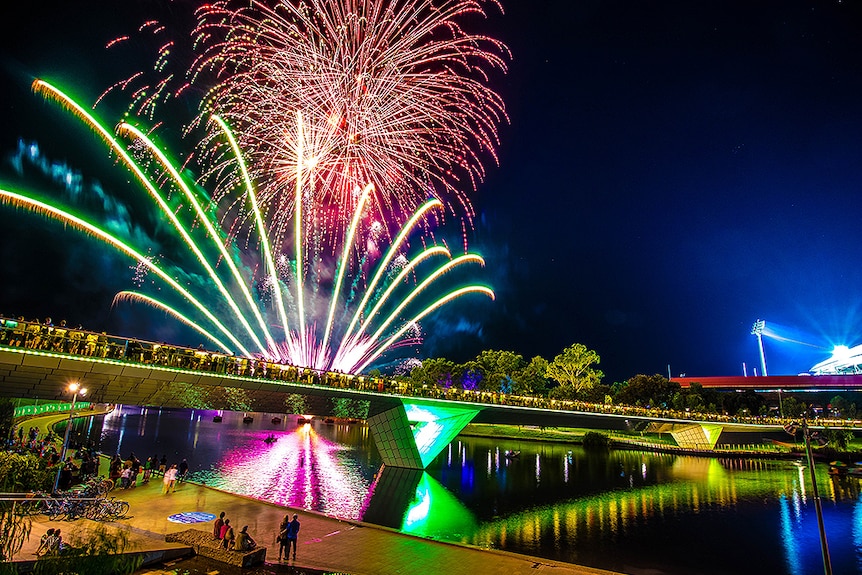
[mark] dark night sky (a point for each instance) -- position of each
(672, 172)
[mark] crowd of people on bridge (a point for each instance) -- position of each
(60, 338)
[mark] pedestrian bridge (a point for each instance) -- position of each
(409, 431)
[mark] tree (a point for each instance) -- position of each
(433, 371)
(499, 368)
(470, 375)
(650, 390)
(347, 408)
(532, 379)
(793, 407)
(7, 416)
(95, 551)
(844, 407)
(595, 441)
(296, 403)
(574, 372)
(839, 439)
(18, 474)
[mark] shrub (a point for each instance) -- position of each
(594, 441)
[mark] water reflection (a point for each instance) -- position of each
(321, 467)
(414, 502)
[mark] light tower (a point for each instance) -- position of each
(757, 329)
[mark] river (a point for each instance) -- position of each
(632, 512)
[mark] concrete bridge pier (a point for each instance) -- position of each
(410, 433)
(690, 435)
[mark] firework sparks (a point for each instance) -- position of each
(326, 97)
(380, 313)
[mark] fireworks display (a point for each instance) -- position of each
(343, 324)
(327, 97)
(335, 138)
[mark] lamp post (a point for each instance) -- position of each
(818, 506)
(76, 389)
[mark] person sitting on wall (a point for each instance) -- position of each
(244, 541)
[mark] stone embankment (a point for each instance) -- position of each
(204, 544)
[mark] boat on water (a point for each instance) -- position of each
(512, 453)
(270, 439)
(217, 418)
(247, 419)
(303, 420)
(276, 420)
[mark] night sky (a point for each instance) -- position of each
(672, 172)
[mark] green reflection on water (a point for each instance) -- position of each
(435, 512)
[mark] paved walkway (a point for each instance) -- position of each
(324, 543)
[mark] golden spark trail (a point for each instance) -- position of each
(125, 127)
(418, 317)
(74, 221)
(136, 296)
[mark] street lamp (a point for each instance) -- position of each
(792, 428)
(76, 390)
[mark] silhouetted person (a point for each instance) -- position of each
(292, 535)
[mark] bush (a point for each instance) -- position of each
(23, 473)
(594, 441)
(92, 552)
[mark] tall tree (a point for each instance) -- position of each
(649, 390)
(499, 368)
(433, 371)
(7, 417)
(574, 371)
(532, 379)
(844, 407)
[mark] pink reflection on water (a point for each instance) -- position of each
(300, 469)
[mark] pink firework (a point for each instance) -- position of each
(329, 96)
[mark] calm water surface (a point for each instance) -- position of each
(626, 511)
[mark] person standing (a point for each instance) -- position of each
(281, 538)
(184, 469)
(126, 477)
(148, 469)
(217, 526)
(136, 469)
(170, 480)
(292, 535)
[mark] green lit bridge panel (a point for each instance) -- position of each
(413, 433)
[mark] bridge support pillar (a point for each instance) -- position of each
(697, 435)
(413, 433)
(690, 435)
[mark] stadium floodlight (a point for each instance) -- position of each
(757, 329)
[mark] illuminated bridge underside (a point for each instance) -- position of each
(412, 434)
(690, 435)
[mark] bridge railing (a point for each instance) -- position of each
(77, 341)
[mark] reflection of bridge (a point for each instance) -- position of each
(408, 431)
